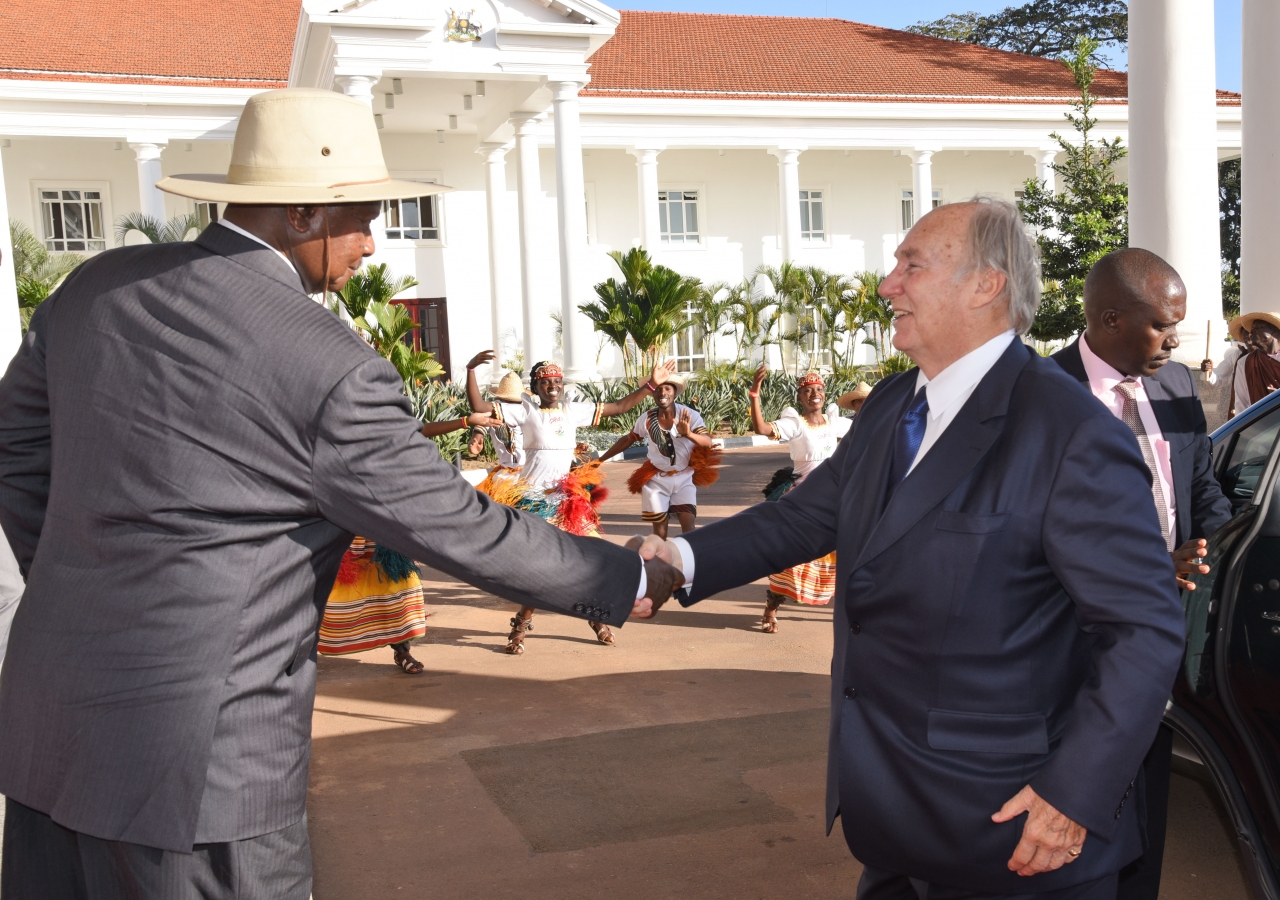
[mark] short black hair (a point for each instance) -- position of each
(1121, 278)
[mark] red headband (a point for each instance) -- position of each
(808, 379)
(546, 370)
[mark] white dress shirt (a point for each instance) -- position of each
(947, 392)
(319, 298)
(1102, 384)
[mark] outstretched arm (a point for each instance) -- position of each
(475, 420)
(619, 445)
(478, 403)
(684, 426)
(758, 424)
(660, 373)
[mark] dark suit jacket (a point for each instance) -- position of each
(1200, 506)
(1010, 618)
(187, 444)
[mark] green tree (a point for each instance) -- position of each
(710, 315)
(874, 316)
(750, 315)
(171, 232)
(1038, 28)
(36, 271)
(790, 286)
(1085, 220)
(387, 326)
(1229, 226)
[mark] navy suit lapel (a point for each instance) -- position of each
(250, 254)
(869, 477)
(1071, 362)
(966, 440)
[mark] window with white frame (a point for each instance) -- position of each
(207, 214)
(689, 345)
(908, 213)
(412, 219)
(72, 219)
(678, 216)
(812, 223)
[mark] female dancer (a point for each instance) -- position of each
(811, 436)
(508, 440)
(376, 600)
(550, 485)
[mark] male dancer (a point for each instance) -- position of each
(668, 481)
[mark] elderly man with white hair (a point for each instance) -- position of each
(1006, 625)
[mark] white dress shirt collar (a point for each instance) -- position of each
(957, 381)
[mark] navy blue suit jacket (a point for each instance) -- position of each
(1201, 507)
(1010, 618)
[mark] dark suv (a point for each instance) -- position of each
(1226, 701)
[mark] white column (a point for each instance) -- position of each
(150, 198)
(358, 86)
(505, 340)
(788, 199)
(1173, 155)
(647, 182)
(1045, 157)
(571, 197)
(10, 328)
(921, 181)
(537, 328)
(1260, 159)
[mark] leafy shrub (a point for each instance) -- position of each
(435, 401)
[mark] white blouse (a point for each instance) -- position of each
(549, 437)
(810, 445)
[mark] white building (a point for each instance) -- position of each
(566, 128)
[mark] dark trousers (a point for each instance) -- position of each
(1140, 880)
(44, 861)
(877, 884)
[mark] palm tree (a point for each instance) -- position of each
(171, 232)
(36, 271)
(791, 291)
(710, 314)
(372, 284)
(366, 299)
(875, 314)
(832, 304)
(754, 315)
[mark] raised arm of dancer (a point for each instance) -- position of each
(621, 444)
(475, 420)
(758, 424)
(478, 403)
(684, 426)
(659, 374)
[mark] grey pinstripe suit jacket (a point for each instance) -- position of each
(187, 444)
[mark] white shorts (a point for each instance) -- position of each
(663, 491)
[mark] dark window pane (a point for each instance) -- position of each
(677, 218)
(70, 195)
(816, 216)
(804, 215)
(76, 245)
(662, 218)
(48, 195)
(409, 209)
(428, 207)
(92, 195)
(662, 195)
(73, 219)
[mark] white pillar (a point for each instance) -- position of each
(1260, 159)
(150, 197)
(788, 199)
(647, 182)
(10, 328)
(921, 182)
(571, 199)
(358, 86)
(537, 329)
(505, 340)
(1173, 154)
(1045, 157)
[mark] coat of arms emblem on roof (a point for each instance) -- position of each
(462, 26)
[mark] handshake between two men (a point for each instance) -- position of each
(664, 573)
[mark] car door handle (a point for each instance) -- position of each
(1271, 616)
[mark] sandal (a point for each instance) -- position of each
(408, 664)
(769, 624)
(520, 625)
(603, 634)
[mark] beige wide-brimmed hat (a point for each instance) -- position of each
(509, 389)
(301, 146)
(1240, 324)
(679, 382)
(845, 401)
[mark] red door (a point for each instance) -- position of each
(432, 334)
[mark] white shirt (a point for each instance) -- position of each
(682, 445)
(810, 445)
(947, 392)
(550, 436)
(1103, 379)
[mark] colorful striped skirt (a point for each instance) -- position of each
(377, 600)
(811, 583)
(572, 505)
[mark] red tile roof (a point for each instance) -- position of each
(697, 55)
(224, 43)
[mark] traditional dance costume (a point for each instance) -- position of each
(676, 467)
(811, 583)
(508, 444)
(376, 601)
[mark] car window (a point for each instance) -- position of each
(1250, 449)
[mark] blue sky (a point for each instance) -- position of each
(900, 13)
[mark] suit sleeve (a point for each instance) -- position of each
(770, 537)
(26, 448)
(1124, 595)
(376, 476)
(1210, 508)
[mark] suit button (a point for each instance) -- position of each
(1117, 813)
(850, 693)
(855, 628)
(578, 607)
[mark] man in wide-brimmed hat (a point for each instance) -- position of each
(852, 400)
(1256, 372)
(188, 443)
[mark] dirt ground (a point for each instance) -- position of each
(686, 761)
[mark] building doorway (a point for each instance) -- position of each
(432, 335)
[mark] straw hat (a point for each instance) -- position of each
(302, 146)
(509, 389)
(679, 382)
(1239, 324)
(845, 401)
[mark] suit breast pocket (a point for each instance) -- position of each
(971, 523)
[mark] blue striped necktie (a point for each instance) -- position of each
(907, 437)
